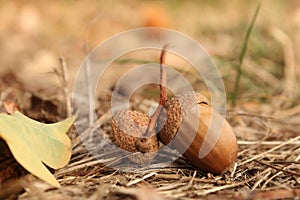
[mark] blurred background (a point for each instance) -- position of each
(34, 34)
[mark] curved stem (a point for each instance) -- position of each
(163, 78)
(163, 93)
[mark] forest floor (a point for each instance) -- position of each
(265, 118)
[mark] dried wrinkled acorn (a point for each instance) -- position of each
(197, 131)
(135, 131)
(129, 128)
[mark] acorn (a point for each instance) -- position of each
(185, 122)
(135, 131)
(199, 132)
(130, 128)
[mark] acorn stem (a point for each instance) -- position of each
(162, 95)
(163, 79)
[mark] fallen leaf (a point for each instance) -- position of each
(33, 143)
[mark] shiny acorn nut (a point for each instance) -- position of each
(199, 132)
(129, 128)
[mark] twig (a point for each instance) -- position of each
(278, 169)
(192, 179)
(289, 61)
(135, 181)
(242, 55)
(233, 170)
(65, 79)
(260, 180)
(168, 176)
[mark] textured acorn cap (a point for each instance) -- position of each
(174, 110)
(199, 132)
(129, 128)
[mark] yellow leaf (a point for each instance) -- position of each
(33, 143)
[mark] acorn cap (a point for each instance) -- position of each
(129, 128)
(174, 111)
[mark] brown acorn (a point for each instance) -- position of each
(130, 128)
(135, 131)
(199, 132)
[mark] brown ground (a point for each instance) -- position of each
(33, 35)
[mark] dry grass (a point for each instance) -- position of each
(267, 167)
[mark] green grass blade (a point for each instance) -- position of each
(242, 55)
